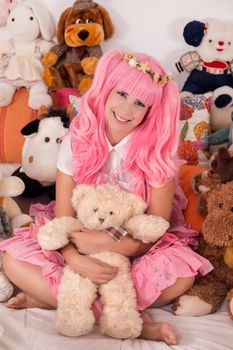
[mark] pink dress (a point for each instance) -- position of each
(170, 258)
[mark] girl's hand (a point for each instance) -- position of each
(90, 241)
(94, 269)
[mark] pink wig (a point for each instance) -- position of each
(152, 151)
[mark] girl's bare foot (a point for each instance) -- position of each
(159, 331)
(24, 301)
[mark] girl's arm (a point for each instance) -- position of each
(160, 205)
(94, 269)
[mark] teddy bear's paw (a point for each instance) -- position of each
(121, 324)
(53, 235)
(147, 228)
(84, 84)
(75, 323)
(191, 305)
(35, 101)
(49, 59)
(6, 288)
(88, 64)
(6, 94)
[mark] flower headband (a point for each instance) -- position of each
(145, 68)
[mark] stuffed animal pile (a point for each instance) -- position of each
(98, 208)
(31, 27)
(81, 30)
(216, 244)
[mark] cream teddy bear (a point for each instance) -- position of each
(31, 28)
(98, 208)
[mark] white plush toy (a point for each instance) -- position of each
(10, 217)
(31, 28)
(98, 208)
(211, 64)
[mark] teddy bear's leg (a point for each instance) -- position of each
(203, 298)
(6, 288)
(84, 84)
(72, 73)
(230, 303)
(53, 78)
(6, 94)
(75, 298)
(120, 318)
(38, 96)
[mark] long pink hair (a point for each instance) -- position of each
(152, 150)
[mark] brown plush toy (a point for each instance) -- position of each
(81, 30)
(216, 244)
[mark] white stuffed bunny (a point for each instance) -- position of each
(99, 208)
(31, 28)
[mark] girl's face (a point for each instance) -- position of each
(123, 112)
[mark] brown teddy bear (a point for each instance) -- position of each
(81, 30)
(221, 171)
(216, 244)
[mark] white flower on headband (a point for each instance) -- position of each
(132, 62)
(145, 68)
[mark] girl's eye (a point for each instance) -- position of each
(95, 210)
(111, 212)
(220, 205)
(210, 41)
(121, 93)
(88, 20)
(47, 139)
(140, 104)
(229, 43)
(78, 21)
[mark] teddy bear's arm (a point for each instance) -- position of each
(188, 62)
(54, 54)
(54, 234)
(219, 136)
(147, 228)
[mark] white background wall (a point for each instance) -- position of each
(153, 26)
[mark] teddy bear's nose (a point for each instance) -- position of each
(83, 34)
(101, 220)
(221, 43)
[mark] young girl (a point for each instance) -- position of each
(126, 133)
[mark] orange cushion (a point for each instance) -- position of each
(12, 119)
(191, 215)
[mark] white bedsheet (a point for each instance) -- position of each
(33, 329)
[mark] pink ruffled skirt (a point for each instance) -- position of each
(170, 258)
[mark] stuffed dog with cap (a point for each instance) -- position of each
(81, 30)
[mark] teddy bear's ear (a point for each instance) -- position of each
(78, 193)
(107, 23)
(194, 32)
(138, 205)
(61, 25)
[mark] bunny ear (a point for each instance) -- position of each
(45, 20)
(5, 6)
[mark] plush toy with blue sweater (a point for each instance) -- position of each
(211, 63)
